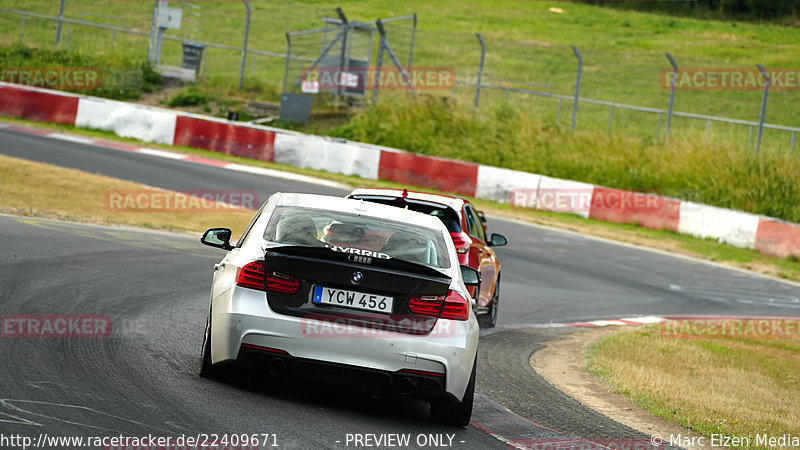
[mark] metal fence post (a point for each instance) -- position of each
(791, 147)
(763, 106)
(244, 45)
(413, 40)
(286, 62)
(60, 20)
(577, 86)
(152, 32)
(671, 93)
(388, 49)
(610, 118)
(377, 75)
(22, 32)
(343, 55)
(480, 70)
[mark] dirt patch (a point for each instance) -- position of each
(161, 96)
(561, 363)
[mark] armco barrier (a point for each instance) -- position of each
(650, 211)
(778, 238)
(499, 184)
(127, 120)
(224, 137)
(314, 152)
(438, 173)
(38, 105)
(164, 126)
(578, 194)
(725, 225)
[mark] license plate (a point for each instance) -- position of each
(352, 299)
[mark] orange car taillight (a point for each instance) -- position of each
(462, 241)
(453, 306)
(253, 276)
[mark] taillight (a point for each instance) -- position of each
(426, 305)
(462, 241)
(423, 373)
(253, 276)
(456, 307)
(453, 306)
(279, 282)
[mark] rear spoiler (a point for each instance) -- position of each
(329, 254)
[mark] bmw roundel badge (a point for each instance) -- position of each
(357, 277)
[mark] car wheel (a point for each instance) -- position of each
(490, 319)
(207, 370)
(453, 412)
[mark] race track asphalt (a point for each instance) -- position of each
(154, 288)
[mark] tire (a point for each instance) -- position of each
(453, 412)
(490, 318)
(207, 370)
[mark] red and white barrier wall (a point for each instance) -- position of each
(163, 126)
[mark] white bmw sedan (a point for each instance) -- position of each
(350, 292)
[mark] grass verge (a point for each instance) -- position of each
(527, 43)
(28, 189)
(724, 385)
(111, 76)
(722, 174)
(706, 249)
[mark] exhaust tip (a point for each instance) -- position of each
(404, 386)
(276, 366)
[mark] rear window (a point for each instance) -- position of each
(446, 214)
(358, 235)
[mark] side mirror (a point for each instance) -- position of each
(471, 277)
(497, 240)
(217, 237)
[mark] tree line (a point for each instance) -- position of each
(779, 11)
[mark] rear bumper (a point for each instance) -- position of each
(242, 316)
(415, 384)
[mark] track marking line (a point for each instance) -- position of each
(161, 153)
(643, 320)
(70, 138)
(285, 175)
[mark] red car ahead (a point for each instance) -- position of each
(468, 230)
